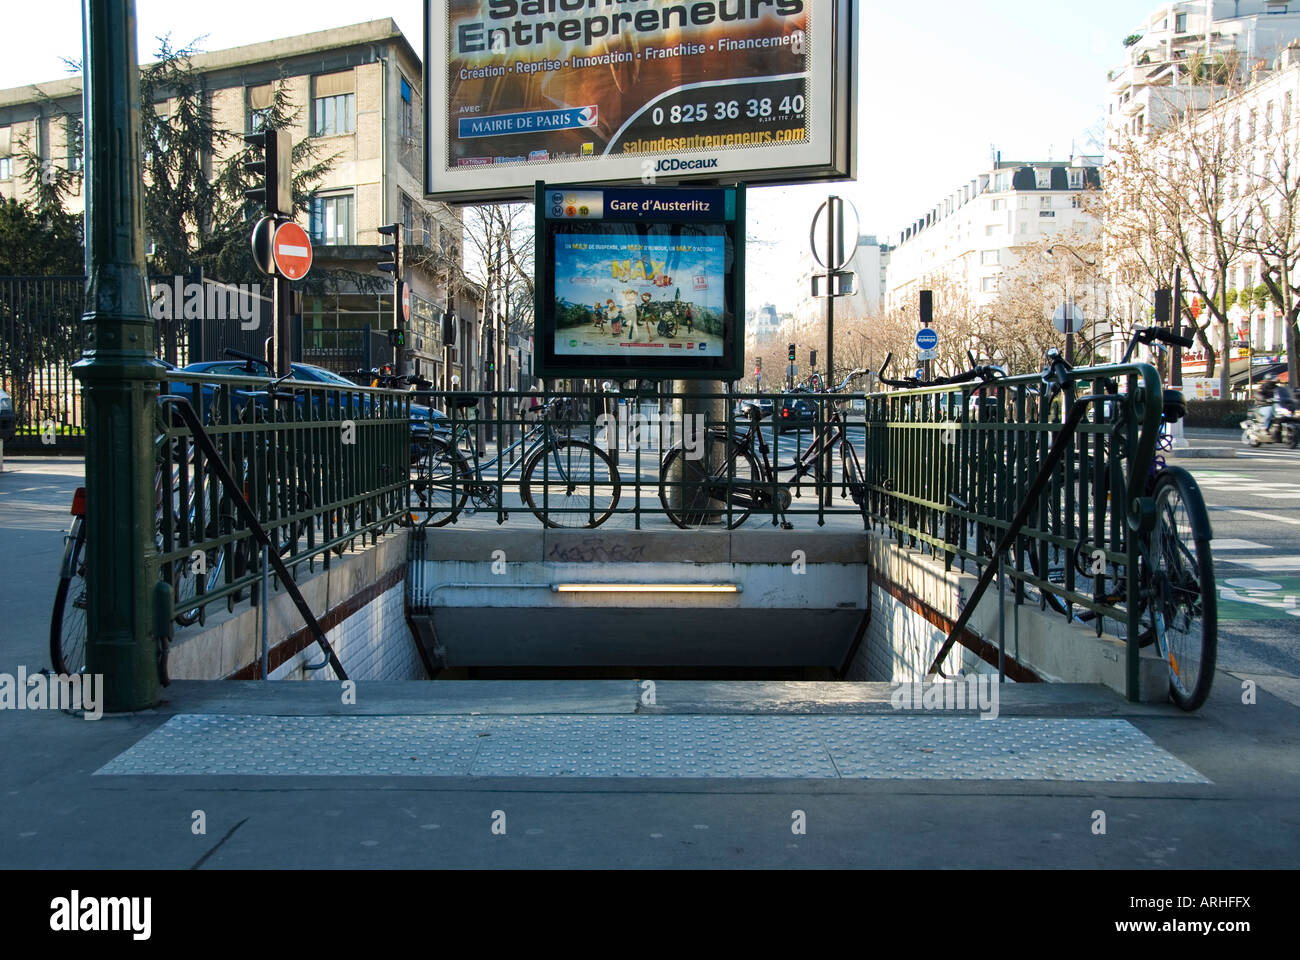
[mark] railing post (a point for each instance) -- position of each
(118, 372)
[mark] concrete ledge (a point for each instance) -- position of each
(760, 545)
(636, 546)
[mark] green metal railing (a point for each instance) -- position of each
(321, 467)
(500, 434)
(948, 468)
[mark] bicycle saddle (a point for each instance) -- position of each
(1175, 406)
(462, 402)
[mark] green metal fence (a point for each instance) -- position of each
(322, 467)
(948, 468)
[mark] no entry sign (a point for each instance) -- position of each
(406, 301)
(292, 250)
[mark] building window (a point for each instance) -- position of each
(990, 229)
(408, 220)
(999, 205)
(1003, 182)
(6, 168)
(426, 230)
(1180, 23)
(1076, 203)
(1076, 179)
(332, 220)
(1044, 203)
(408, 112)
(989, 258)
(1043, 179)
(989, 285)
(72, 134)
(257, 107)
(334, 106)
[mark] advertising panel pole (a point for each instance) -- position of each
(121, 381)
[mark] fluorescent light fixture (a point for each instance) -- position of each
(646, 588)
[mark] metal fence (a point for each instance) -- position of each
(321, 467)
(40, 340)
(652, 459)
(345, 351)
(948, 468)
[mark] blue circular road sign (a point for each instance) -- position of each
(926, 339)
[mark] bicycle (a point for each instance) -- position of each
(557, 469)
(1178, 599)
(726, 471)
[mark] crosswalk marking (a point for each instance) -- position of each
(1229, 544)
(1273, 564)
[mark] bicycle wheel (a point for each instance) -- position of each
(1182, 610)
(68, 620)
(570, 483)
(695, 491)
(440, 484)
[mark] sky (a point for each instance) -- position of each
(942, 85)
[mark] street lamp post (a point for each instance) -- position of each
(120, 376)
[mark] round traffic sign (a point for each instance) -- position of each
(292, 250)
(406, 301)
(843, 242)
(1075, 323)
(263, 231)
(927, 338)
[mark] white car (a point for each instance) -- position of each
(7, 424)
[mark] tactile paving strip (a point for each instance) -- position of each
(706, 747)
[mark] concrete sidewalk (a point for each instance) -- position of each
(586, 774)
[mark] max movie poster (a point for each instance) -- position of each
(625, 294)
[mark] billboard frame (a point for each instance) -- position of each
(838, 164)
(549, 366)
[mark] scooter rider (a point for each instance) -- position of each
(1266, 397)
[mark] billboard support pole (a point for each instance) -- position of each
(834, 232)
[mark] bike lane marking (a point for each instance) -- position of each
(1249, 598)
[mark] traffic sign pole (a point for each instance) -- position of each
(292, 255)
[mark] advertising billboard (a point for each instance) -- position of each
(599, 91)
(640, 282)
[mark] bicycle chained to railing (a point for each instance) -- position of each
(733, 473)
(1177, 595)
(1174, 591)
(565, 481)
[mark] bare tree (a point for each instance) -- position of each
(1177, 199)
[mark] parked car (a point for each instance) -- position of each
(765, 408)
(425, 420)
(8, 425)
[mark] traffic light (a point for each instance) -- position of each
(392, 249)
(758, 364)
(812, 359)
(490, 362)
(790, 353)
(274, 170)
(397, 338)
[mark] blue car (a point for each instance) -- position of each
(425, 420)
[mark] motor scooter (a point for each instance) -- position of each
(1284, 429)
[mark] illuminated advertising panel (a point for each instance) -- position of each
(647, 91)
(640, 282)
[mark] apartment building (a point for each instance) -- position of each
(357, 94)
(978, 231)
(1175, 56)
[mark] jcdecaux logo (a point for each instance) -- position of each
(669, 164)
